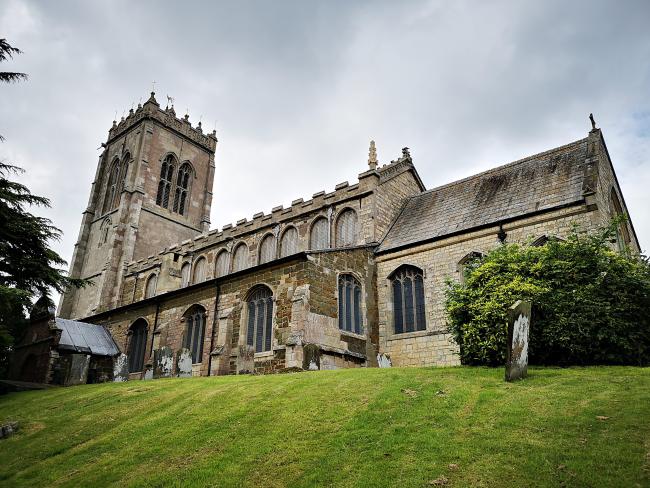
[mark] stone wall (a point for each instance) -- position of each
(440, 260)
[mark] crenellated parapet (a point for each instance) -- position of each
(151, 110)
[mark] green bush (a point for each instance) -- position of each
(591, 305)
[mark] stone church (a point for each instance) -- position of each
(352, 277)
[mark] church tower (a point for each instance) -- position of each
(152, 189)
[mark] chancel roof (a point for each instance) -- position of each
(541, 182)
(86, 338)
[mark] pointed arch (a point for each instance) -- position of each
(182, 191)
(200, 268)
(289, 242)
(222, 264)
(319, 234)
(111, 187)
(267, 249)
(104, 231)
(195, 319)
(150, 287)
(185, 274)
(622, 233)
(240, 257)
(407, 283)
(137, 344)
(259, 330)
(166, 179)
(350, 304)
(466, 261)
(346, 228)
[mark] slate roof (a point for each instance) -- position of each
(541, 182)
(87, 338)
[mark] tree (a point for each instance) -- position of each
(28, 267)
(590, 304)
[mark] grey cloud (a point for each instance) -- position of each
(297, 89)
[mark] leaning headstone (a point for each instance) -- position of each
(383, 361)
(518, 328)
(311, 357)
(121, 368)
(78, 373)
(184, 363)
(148, 373)
(163, 359)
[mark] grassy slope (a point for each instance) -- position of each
(369, 427)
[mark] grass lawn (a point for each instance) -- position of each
(366, 427)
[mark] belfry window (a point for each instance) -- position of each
(408, 300)
(182, 187)
(318, 237)
(165, 183)
(260, 318)
(267, 249)
(346, 228)
(111, 188)
(350, 304)
(289, 242)
(622, 233)
(137, 345)
(194, 331)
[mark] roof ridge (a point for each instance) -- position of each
(498, 168)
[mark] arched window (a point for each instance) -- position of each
(240, 257)
(346, 228)
(182, 187)
(126, 160)
(222, 264)
(194, 331)
(111, 187)
(623, 235)
(318, 237)
(185, 274)
(260, 318)
(165, 183)
(150, 287)
(137, 338)
(408, 300)
(104, 230)
(468, 260)
(199, 270)
(267, 249)
(289, 242)
(350, 304)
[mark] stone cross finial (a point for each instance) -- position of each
(593, 122)
(372, 156)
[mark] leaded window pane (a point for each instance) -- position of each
(199, 270)
(222, 264)
(350, 304)
(260, 319)
(194, 332)
(318, 238)
(240, 259)
(289, 242)
(408, 300)
(137, 345)
(109, 198)
(165, 183)
(182, 187)
(267, 249)
(346, 228)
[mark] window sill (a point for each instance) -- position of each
(352, 334)
(417, 333)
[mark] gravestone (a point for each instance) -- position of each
(148, 372)
(246, 359)
(184, 363)
(78, 372)
(163, 359)
(311, 357)
(121, 368)
(518, 328)
(383, 361)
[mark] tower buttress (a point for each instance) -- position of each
(152, 189)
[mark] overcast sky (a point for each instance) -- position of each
(296, 90)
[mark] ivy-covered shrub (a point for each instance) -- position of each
(591, 305)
